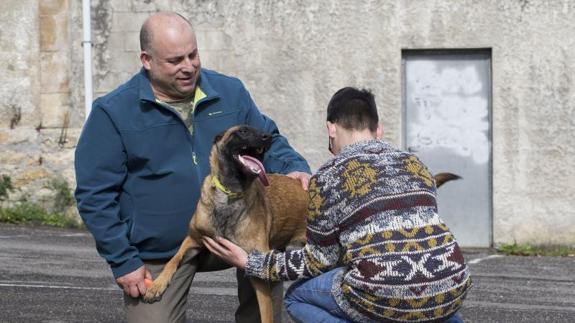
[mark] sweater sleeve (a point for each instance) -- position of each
(320, 254)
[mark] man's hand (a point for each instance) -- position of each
(133, 283)
(228, 251)
(302, 177)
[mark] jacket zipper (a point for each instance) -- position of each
(190, 133)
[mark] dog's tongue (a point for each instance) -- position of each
(255, 166)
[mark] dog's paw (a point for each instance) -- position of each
(154, 293)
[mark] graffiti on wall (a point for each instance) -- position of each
(451, 109)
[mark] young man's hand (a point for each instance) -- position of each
(227, 251)
(302, 177)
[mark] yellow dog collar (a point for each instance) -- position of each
(224, 189)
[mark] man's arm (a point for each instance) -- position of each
(100, 163)
(281, 158)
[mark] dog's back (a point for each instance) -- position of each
(288, 203)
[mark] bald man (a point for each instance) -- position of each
(143, 155)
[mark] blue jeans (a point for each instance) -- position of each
(310, 301)
(455, 318)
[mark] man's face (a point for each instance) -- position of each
(173, 63)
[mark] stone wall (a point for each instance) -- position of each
(292, 55)
(20, 90)
(39, 122)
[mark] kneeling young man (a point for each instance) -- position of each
(377, 250)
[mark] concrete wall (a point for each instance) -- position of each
(292, 55)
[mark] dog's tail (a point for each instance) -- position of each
(443, 178)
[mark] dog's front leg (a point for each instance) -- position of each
(155, 292)
(264, 296)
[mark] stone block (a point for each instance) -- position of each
(52, 7)
(143, 6)
(128, 21)
(116, 40)
(128, 62)
(43, 195)
(106, 83)
(213, 40)
(30, 118)
(58, 160)
(29, 175)
(19, 86)
(10, 113)
(56, 140)
(213, 60)
(151, 6)
(19, 25)
(22, 136)
(121, 5)
(53, 33)
(54, 107)
(54, 72)
(132, 41)
(18, 158)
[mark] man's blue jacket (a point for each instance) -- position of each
(139, 169)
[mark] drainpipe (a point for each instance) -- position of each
(87, 44)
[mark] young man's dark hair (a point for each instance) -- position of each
(353, 109)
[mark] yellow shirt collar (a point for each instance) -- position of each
(198, 95)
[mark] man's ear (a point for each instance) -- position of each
(146, 59)
(379, 131)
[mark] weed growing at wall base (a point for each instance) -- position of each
(30, 213)
(25, 212)
(63, 197)
(515, 249)
(5, 187)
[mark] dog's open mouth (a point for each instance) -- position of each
(254, 166)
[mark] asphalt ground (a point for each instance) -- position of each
(55, 275)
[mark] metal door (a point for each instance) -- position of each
(447, 101)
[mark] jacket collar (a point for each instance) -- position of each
(146, 93)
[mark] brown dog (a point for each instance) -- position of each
(264, 214)
(240, 202)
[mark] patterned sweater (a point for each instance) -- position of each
(373, 212)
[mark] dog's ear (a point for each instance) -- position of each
(443, 178)
(219, 137)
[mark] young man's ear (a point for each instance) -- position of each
(331, 129)
(331, 133)
(379, 131)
